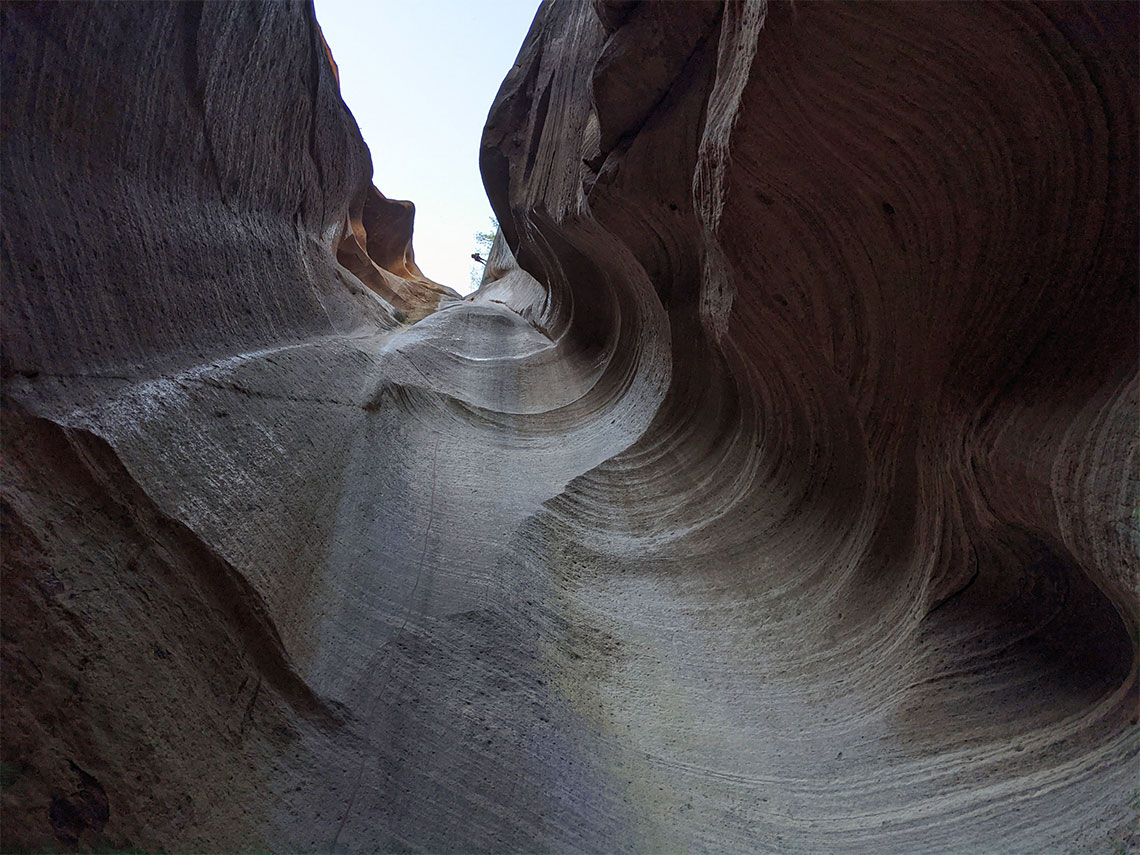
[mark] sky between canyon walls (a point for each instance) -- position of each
(420, 76)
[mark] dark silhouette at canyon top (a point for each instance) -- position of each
(775, 493)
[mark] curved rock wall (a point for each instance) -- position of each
(851, 567)
(775, 493)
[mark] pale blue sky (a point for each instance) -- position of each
(419, 76)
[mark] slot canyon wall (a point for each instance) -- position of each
(776, 492)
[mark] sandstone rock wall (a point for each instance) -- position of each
(775, 493)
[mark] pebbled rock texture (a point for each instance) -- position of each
(776, 492)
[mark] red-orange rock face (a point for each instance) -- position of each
(776, 492)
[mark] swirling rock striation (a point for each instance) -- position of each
(776, 492)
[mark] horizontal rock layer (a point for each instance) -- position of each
(775, 493)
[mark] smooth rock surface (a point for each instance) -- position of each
(776, 492)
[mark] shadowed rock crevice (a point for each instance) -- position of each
(775, 493)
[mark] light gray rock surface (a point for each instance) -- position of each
(776, 492)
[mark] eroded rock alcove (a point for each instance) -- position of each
(775, 493)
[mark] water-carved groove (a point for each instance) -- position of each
(775, 492)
